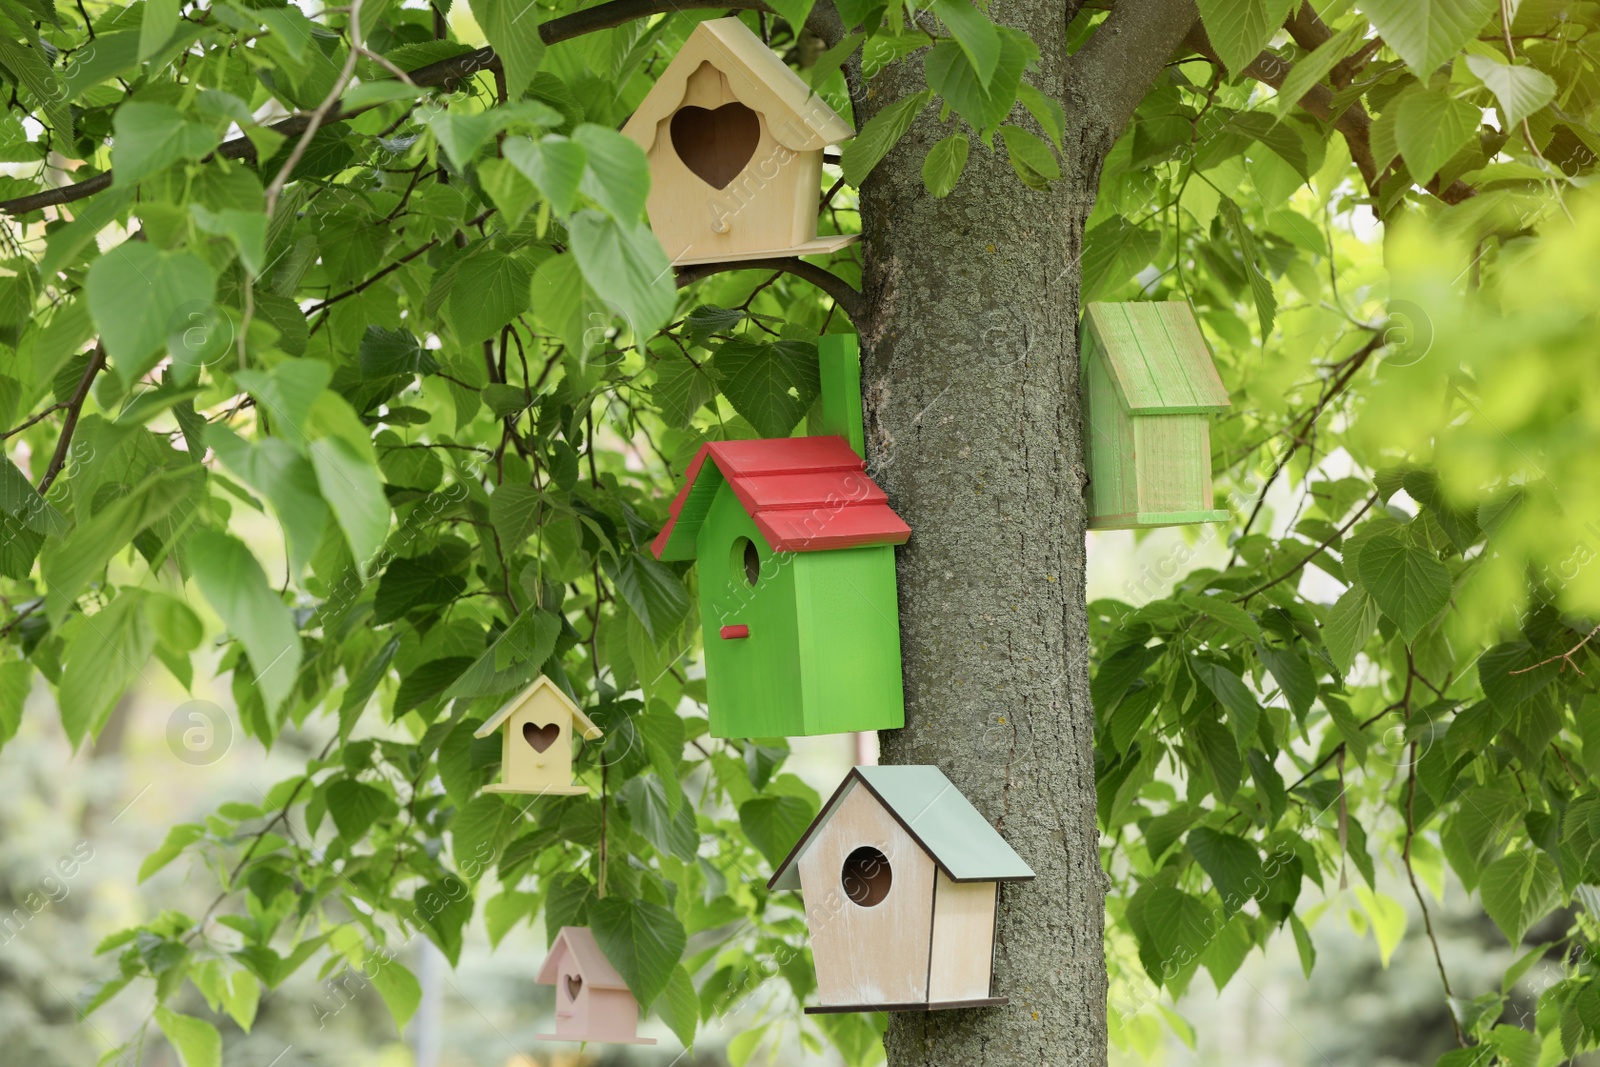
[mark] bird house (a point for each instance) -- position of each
(735, 142)
(901, 878)
(795, 545)
(1150, 388)
(593, 1003)
(537, 752)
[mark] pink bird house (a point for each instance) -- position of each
(593, 1003)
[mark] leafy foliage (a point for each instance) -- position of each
(429, 337)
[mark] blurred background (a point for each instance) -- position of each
(75, 829)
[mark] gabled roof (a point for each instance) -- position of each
(936, 815)
(580, 722)
(805, 494)
(797, 117)
(1159, 362)
(592, 963)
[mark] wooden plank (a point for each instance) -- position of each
(1190, 346)
(874, 955)
(848, 626)
(1170, 467)
(1116, 339)
(839, 361)
(1109, 444)
(963, 940)
(1167, 372)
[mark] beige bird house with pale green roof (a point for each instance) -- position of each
(1150, 389)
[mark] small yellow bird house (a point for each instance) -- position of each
(735, 142)
(1150, 390)
(537, 754)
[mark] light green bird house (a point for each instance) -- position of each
(794, 545)
(1150, 389)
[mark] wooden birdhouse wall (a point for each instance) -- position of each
(530, 726)
(963, 939)
(1150, 390)
(874, 955)
(823, 651)
(573, 997)
(723, 185)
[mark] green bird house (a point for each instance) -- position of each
(1150, 388)
(794, 543)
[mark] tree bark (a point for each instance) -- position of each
(970, 378)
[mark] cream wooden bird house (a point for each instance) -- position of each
(901, 879)
(539, 723)
(593, 1003)
(735, 142)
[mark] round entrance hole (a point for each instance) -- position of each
(866, 877)
(747, 558)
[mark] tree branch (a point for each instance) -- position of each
(1353, 123)
(1108, 77)
(846, 296)
(445, 74)
(74, 408)
(1313, 554)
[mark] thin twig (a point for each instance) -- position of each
(1313, 554)
(329, 105)
(1565, 657)
(74, 408)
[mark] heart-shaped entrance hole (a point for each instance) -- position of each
(716, 145)
(540, 737)
(574, 985)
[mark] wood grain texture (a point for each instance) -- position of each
(963, 940)
(876, 955)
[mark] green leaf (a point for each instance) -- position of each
(1409, 584)
(1430, 127)
(772, 385)
(879, 135)
(950, 74)
(152, 137)
(178, 838)
(625, 266)
(1302, 944)
(1232, 864)
(661, 815)
(1427, 33)
(69, 565)
(618, 174)
(241, 997)
(643, 941)
(398, 987)
(774, 824)
(156, 29)
(421, 581)
(1220, 752)
(679, 1006)
(1294, 677)
(196, 1040)
(975, 34)
(513, 659)
(1388, 920)
(1232, 694)
(28, 63)
(491, 289)
(570, 897)
(1240, 29)
(514, 510)
(231, 579)
(108, 651)
(16, 681)
(445, 906)
(945, 162)
(1311, 69)
(273, 468)
(512, 28)
(350, 484)
(1113, 252)
(1352, 620)
(653, 593)
(1046, 111)
(1518, 890)
(1030, 157)
(1260, 285)
(555, 165)
(139, 297)
(1520, 90)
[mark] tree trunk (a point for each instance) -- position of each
(970, 376)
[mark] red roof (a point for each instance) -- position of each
(805, 494)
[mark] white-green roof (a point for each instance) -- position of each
(936, 815)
